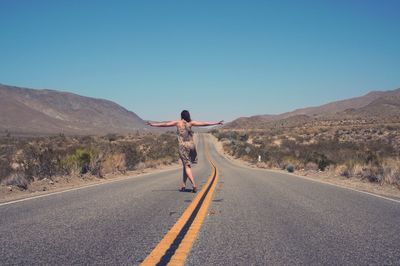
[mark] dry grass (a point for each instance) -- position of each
(391, 170)
(25, 159)
(364, 151)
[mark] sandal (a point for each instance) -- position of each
(182, 189)
(194, 190)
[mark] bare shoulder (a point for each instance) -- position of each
(194, 123)
(179, 124)
(173, 123)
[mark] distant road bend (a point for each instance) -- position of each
(240, 216)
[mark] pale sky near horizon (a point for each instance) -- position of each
(219, 59)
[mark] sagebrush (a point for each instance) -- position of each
(31, 158)
(368, 153)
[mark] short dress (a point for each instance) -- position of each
(187, 148)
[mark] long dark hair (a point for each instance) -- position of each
(185, 115)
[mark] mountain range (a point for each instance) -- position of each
(376, 105)
(31, 111)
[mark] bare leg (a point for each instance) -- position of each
(190, 175)
(184, 177)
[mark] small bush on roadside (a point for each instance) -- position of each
(41, 160)
(132, 156)
(373, 174)
(17, 179)
(343, 170)
(323, 162)
(165, 146)
(5, 168)
(311, 166)
(80, 160)
(391, 169)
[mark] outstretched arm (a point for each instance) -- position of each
(163, 124)
(203, 124)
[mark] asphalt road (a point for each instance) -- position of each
(260, 217)
(257, 217)
(112, 224)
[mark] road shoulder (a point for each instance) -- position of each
(61, 184)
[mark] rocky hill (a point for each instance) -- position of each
(29, 111)
(376, 105)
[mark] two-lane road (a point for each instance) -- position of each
(256, 217)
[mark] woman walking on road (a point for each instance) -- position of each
(187, 148)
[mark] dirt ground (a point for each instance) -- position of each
(325, 177)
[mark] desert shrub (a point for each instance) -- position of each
(372, 174)
(289, 145)
(357, 170)
(233, 135)
(227, 148)
(243, 137)
(114, 163)
(353, 152)
(311, 166)
(49, 162)
(164, 146)
(230, 135)
(41, 157)
(391, 169)
(5, 168)
(258, 141)
(111, 137)
(343, 170)
(41, 161)
(17, 179)
(214, 132)
(132, 156)
(141, 166)
(244, 149)
(80, 160)
(323, 162)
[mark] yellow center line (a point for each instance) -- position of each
(174, 248)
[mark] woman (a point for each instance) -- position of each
(187, 148)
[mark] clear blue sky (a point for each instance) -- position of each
(219, 59)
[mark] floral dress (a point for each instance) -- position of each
(187, 148)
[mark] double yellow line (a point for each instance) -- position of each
(174, 248)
